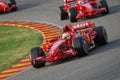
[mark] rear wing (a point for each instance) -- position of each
(75, 27)
(68, 1)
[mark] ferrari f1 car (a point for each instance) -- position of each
(6, 6)
(76, 40)
(81, 9)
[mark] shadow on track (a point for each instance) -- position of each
(114, 9)
(111, 45)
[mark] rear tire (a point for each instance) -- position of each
(101, 37)
(34, 53)
(15, 9)
(80, 45)
(72, 14)
(13, 2)
(104, 4)
(62, 13)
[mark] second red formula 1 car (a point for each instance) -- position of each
(76, 9)
(76, 40)
(7, 6)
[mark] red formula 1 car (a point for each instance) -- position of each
(76, 9)
(76, 40)
(6, 6)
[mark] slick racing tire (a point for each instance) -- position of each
(13, 1)
(63, 15)
(104, 5)
(101, 37)
(15, 9)
(34, 53)
(80, 46)
(72, 14)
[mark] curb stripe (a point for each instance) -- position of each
(13, 70)
(48, 31)
(20, 66)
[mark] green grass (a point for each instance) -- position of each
(15, 43)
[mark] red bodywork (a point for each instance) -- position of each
(58, 48)
(88, 9)
(4, 7)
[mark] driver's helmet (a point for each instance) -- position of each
(81, 1)
(66, 36)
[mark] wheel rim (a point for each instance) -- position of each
(85, 46)
(105, 35)
(30, 58)
(69, 14)
(59, 12)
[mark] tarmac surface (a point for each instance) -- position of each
(102, 63)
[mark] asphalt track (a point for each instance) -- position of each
(102, 63)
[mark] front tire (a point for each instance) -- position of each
(101, 37)
(80, 45)
(62, 13)
(104, 5)
(34, 53)
(72, 14)
(15, 9)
